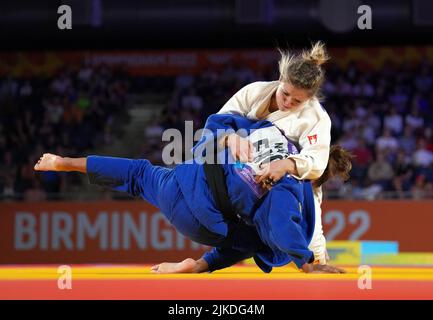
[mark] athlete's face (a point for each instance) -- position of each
(289, 97)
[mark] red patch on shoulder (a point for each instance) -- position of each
(312, 139)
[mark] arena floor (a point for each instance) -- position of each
(235, 283)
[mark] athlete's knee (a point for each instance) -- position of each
(138, 167)
(136, 175)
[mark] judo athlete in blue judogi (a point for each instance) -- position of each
(274, 226)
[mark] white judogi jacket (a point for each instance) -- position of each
(307, 125)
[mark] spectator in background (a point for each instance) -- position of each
(386, 143)
(361, 161)
(380, 96)
(61, 83)
(348, 141)
(8, 192)
(86, 72)
(26, 176)
(380, 172)
(244, 75)
(399, 98)
(352, 122)
(363, 88)
(424, 80)
(393, 121)
(192, 101)
(367, 133)
(373, 119)
(154, 131)
(7, 165)
(428, 135)
(403, 169)
(35, 192)
(184, 80)
(422, 189)
(422, 103)
(422, 156)
(414, 120)
(26, 90)
(8, 88)
(407, 142)
(54, 110)
(343, 87)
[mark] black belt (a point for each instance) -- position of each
(216, 181)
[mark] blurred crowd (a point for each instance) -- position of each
(66, 114)
(384, 117)
(194, 98)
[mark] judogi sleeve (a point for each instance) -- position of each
(284, 223)
(318, 246)
(318, 241)
(315, 142)
(217, 126)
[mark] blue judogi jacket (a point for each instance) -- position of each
(276, 226)
(283, 217)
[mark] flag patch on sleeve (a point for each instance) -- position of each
(312, 139)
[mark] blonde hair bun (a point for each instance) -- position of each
(303, 70)
(317, 54)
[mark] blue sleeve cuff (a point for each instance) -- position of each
(308, 259)
(209, 258)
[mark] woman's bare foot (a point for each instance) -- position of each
(186, 266)
(48, 162)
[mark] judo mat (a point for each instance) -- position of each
(132, 282)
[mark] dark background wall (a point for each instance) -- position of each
(115, 24)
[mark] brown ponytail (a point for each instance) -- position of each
(339, 164)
